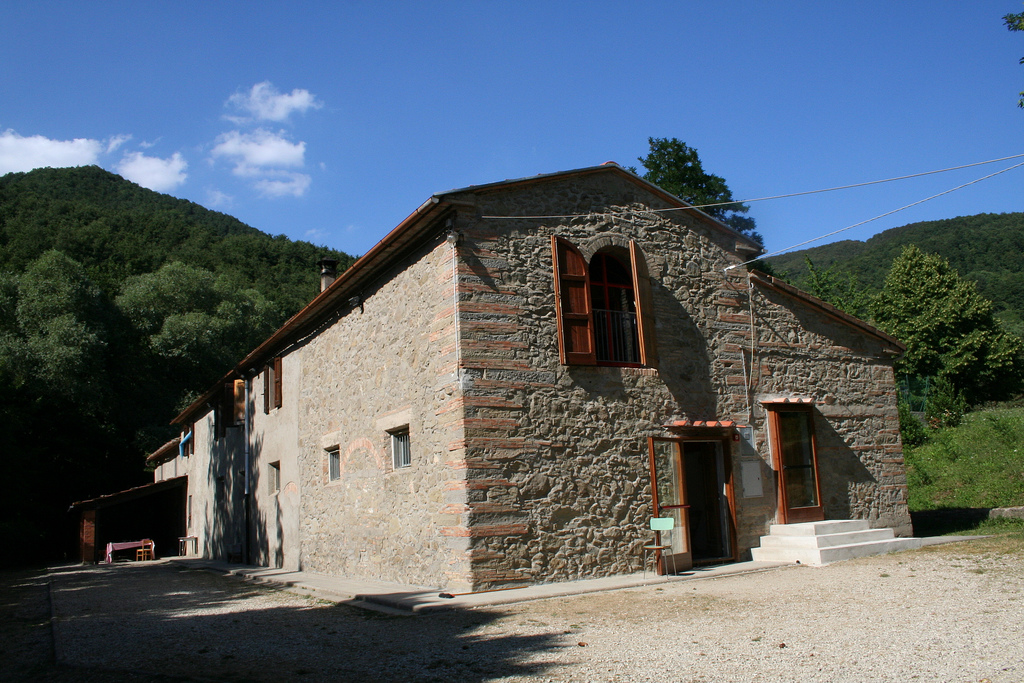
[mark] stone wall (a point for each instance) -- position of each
(385, 363)
(558, 481)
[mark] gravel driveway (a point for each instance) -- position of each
(942, 613)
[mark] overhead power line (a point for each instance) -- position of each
(807, 192)
(887, 213)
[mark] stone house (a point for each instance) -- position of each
(518, 377)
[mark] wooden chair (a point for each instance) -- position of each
(658, 524)
(145, 552)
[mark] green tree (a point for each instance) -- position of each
(949, 329)
(194, 324)
(842, 290)
(675, 167)
(1015, 22)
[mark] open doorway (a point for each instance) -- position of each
(704, 464)
(692, 483)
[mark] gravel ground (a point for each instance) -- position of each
(943, 613)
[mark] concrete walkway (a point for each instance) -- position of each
(397, 598)
(405, 599)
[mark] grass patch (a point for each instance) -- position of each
(979, 464)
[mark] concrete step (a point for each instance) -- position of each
(818, 543)
(829, 526)
(828, 540)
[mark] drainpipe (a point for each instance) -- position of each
(248, 470)
(181, 444)
(453, 238)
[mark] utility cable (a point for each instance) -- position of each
(791, 194)
(888, 213)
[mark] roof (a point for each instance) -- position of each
(419, 225)
(826, 308)
(129, 494)
(164, 453)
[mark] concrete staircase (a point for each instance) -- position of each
(818, 543)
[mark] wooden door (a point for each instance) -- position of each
(796, 464)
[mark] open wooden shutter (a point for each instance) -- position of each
(268, 388)
(572, 305)
(238, 402)
(277, 383)
(644, 306)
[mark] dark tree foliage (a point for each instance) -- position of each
(987, 249)
(1015, 22)
(118, 305)
(675, 167)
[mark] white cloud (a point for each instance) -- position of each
(216, 198)
(264, 103)
(155, 173)
(316, 235)
(258, 150)
(282, 184)
(116, 141)
(19, 153)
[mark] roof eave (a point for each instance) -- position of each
(347, 283)
(749, 245)
(827, 308)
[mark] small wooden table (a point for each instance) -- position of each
(127, 545)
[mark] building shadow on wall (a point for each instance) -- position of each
(200, 625)
(684, 361)
(266, 531)
(840, 469)
(224, 510)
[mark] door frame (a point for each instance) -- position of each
(787, 514)
(680, 471)
(725, 452)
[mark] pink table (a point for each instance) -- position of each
(111, 547)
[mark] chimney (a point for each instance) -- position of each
(328, 272)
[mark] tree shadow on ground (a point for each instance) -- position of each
(185, 624)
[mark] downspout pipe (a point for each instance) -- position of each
(246, 416)
(181, 444)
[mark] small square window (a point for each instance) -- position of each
(333, 465)
(400, 453)
(274, 478)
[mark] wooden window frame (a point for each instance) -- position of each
(574, 309)
(786, 514)
(272, 385)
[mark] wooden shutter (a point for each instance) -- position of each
(267, 388)
(572, 305)
(277, 382)
(238, 402)
(644, 306)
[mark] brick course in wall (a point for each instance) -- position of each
(525, 470)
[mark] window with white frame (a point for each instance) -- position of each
(333, 465)
(401, 455)
(274, 477)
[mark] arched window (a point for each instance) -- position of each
(613, 302)
(603, 308)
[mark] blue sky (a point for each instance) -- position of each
(332, 121)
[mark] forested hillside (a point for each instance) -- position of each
(118, 305)
(987, 249)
